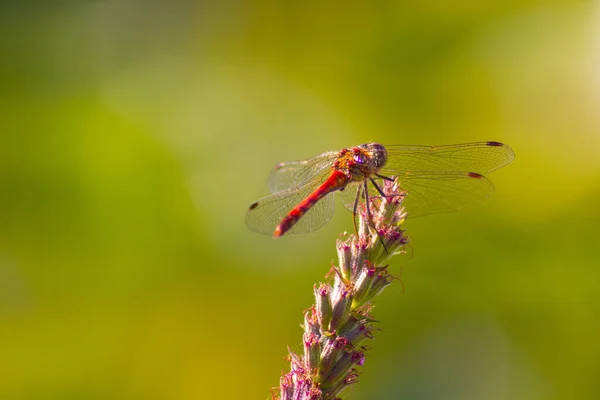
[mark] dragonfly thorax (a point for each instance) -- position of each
(360, 163)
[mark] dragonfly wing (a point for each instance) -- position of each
(429, 193)
(316, 217)
(349, 194)
(438, 192)
(479, 157)
(265, 214)
(293, 174)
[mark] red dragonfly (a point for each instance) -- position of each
(436, 179)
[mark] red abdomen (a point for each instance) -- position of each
(336, 181)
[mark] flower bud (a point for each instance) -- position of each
(341, 307)
(323, 306)
(312, 352)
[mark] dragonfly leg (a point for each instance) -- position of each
(370, 216)
(387, 196)
(378, 188)
(387, 178)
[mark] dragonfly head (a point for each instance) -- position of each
(376, 154)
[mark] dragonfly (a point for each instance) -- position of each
(435, 179)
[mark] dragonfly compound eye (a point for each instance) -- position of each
(360, 159)
(378, 154)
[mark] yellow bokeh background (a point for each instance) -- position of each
(134, 135)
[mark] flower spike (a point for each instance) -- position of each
(338, 323)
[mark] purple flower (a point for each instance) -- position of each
(339, 321)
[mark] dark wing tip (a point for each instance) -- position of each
(508, 154)
(253, 206)
(475, 175)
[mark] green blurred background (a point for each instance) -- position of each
(134, 134)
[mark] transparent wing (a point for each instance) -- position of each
(291, 174)
(433, 192)
(265, 214)
(479, 157)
